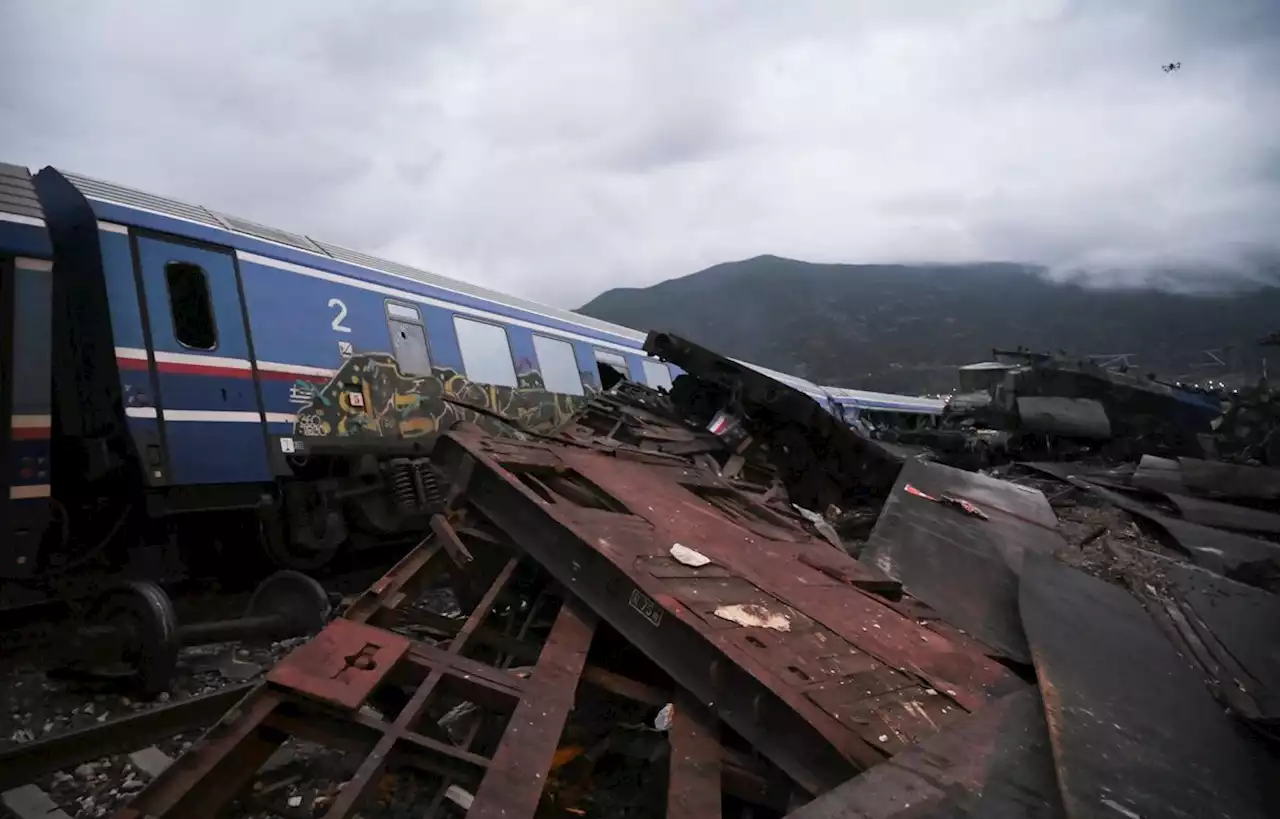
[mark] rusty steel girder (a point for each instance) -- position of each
(322, 692)
(777, 633)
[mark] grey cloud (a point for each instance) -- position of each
(556, 150)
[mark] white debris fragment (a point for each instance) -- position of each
(662, 722)
(689, 557)
(295, 801)
(459, 797)
(754, 615)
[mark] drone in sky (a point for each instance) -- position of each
(1171, 67)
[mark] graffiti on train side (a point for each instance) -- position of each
(370, 397)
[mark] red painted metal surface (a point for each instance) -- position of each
(693, 791)
(520, 765)
(868, 679)
(317, 692)
(342, 664)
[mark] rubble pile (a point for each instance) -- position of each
(637, 618)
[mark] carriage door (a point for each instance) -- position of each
(209, 411)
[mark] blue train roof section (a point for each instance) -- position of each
(22, 227)
(865, 399)
(116, 203)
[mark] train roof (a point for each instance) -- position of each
(886, 401)
(22, 225)
(97, 190)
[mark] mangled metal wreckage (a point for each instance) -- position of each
(639, 586)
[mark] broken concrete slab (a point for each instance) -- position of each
(30, 802)
(151, 761)
(1133, 729)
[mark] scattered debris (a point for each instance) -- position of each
(1049, 640)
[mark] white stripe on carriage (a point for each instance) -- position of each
(212, 416)
(406, 295)
(139, 354)
(296, 369)
(112, 227)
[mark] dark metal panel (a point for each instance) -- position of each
(1076, 417)
(964, 566)
(1225, 515)
(1134, 732)
(997, 764)
(1231, 629)
(1224, 480)
(822, 460)
(1239, 557)
(1158, 475)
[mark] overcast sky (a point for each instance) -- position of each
(555, 150)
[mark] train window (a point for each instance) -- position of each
(409, 342)
(657, 374)
(558, 365)
(408, 339)
(403, 312)
(486, 352)
(191, 306)
(612, 367)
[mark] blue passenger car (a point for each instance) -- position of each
(225, 365)
(26, 281)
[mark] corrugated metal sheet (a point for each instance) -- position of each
(271, 234)
(17, 195)
(120, 195)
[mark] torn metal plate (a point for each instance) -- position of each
(1224, 480)
(1231, 629)
(1158, 474)
(956, 562)
(820, 676)
(1239, 557)
(997, 764)
(1225, 515)
(1134, 731)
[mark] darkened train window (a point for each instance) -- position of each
(612, 367)
(408, 339)
(191, 306)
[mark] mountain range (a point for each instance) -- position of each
(906, 328)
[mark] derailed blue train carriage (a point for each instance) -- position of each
(219, 383)
(26, 278)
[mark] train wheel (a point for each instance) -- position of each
(142, 615)
(310, 547)
(295, 597)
